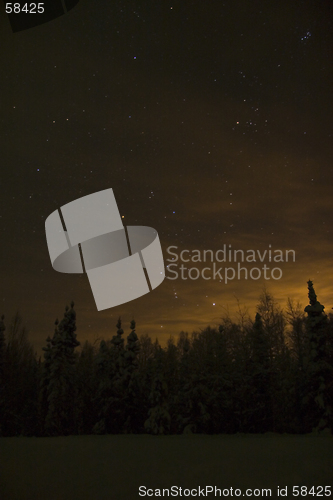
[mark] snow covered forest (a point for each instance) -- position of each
(270, 374)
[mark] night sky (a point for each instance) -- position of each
(212, 123)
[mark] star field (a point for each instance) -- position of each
(211, 122)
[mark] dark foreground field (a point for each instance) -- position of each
(113, 467)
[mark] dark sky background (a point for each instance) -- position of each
(211, 121)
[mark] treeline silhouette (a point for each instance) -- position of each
(273, 374)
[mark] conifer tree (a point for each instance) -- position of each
(320, 370)
(132, 350)
(146, 351)
(86, 389)
(104, 373)
(118, 351)
(172, 379)
(185, 413)
(133, 389)
(45, 382)
(259, 367)
(61, 390)
(297, 335)
(20, 381)
(114, 410)
(158, 421)
(297, 380)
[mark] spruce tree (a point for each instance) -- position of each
(186, 418)
(118, 351)
(104, 372)
(86, 386)
(114, 407)
(20, 381)
(297, 380)
(132, 350)
(158, 421)
(133, 390)
(260, 417)
(319, 370)
(61, 391)
(45, 382)
(172, 379)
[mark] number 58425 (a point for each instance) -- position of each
(27, 8)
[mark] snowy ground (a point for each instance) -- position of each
(113, 467)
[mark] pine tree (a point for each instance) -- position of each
(146, 351)
(20, 382)
(86, 386)
(61, 391)
(45, 382)
(111, 386)
(298, 384)
(133, 390)
(297, 335)
(319, 369)
(260, 416)
(116, 413)
(132, 350)
(171, 376)
(118, 352)
(104, 372)
(158, 421)
(117, 340)
(186, 405)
